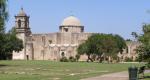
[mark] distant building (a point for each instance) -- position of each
(52, 46)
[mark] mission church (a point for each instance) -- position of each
(51, 46)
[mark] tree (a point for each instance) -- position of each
(12, 43)
(3, 18)
(3, 15)
(102, 44)
(84, 49)
(134, 34)
(144, 49)
(121, 43)
(112, 45)
(8, 41)
(77, 57)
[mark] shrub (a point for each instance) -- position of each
(64, 59)
(148, 64)
(72, 59)
(77, 57)
(127, 59)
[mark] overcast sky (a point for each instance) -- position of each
(103, 16)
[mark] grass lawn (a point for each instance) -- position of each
(147, 76)
(47, 70)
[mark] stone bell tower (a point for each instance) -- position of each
(22, 23)
(23, 32)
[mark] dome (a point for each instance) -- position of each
(71, 21)
(21, 13)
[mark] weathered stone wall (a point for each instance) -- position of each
(21, 54)
(43, 49)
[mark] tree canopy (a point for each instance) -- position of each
(3, 15)
(102, 45)
(8, 41)
(144, 49)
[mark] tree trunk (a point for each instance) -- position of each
(99, 58)
(89, 59)
(109, 59)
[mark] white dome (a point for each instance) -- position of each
(71, 21)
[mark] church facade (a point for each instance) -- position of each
(52, 46)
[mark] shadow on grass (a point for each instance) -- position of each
(145, 77)
(2, 65)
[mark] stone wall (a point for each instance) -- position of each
(50, 46)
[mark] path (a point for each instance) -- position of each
(113, 76)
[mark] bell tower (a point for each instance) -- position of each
(22, 23)
(23, 32)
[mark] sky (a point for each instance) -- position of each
(100, 16)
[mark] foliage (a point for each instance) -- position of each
(64, 59)
(12, 43)
(82, 49)
(127, 59)
(148, 64)
(72, 59)
(77, 57)
(121, 43)
(8, 41)
(101, 45)
(3, 18)
(134, 34)
(128, 40)
(144, 49)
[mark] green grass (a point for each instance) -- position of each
(47, 70)
(147, 76)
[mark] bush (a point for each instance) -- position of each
(148, 64)
(64, 59)
(72, 59)
(127, 59)
(77, 57)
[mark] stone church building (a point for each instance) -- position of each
(51, 46)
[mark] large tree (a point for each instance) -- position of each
(3, 18)
(121, 43)
(8, 41)
(111, 45)
(102, 45)
(144, 49)
(90, 47)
